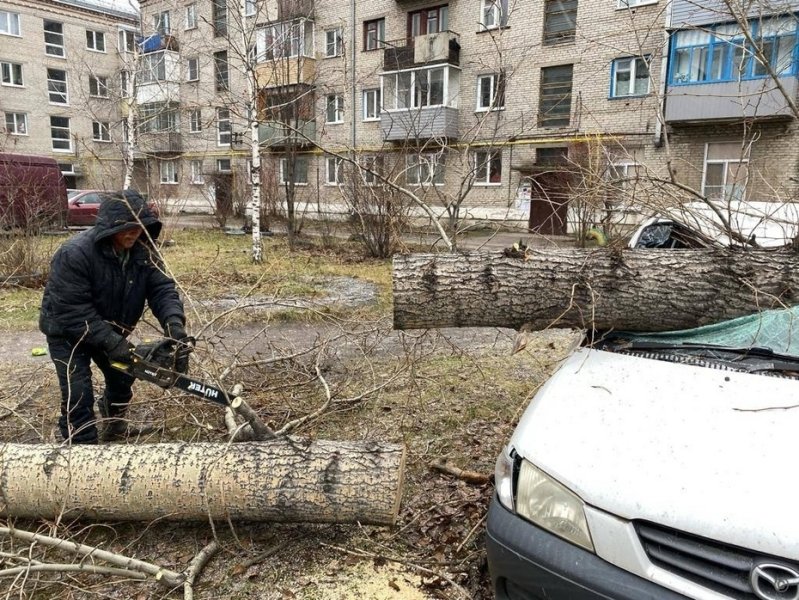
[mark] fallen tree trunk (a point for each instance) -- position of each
(286, 480)
(634, 290)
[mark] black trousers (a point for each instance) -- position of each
(78, 422)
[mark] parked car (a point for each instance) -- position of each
(656, 467)
(83, 207)
(33, 192)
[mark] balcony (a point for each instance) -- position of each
(420, 123)
(442, 47)
(276, 135)
(160, 142)
(294, 70)
(756, 99)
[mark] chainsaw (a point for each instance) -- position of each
(155, 362)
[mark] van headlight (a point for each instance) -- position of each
(503, 478)
(550, 505)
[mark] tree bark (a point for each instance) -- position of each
(285, 480)
(632, 290)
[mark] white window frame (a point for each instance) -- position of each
(338, 111)
(100, 84)
(378, 41)
(371, 104)
(101, 131)
(58, 47)
(493, 14)
(494, 81)
(124, 84)
(250, 8)
(622, 4)
(224, 165)
(283, 170)
(50, 91)
(490, 154)
(10, 23)
(7, 68)
(195, 120)
(335, 48)
(68, 139)
(16, 119)
(632, 69)
(739, 159)
(168, 172)
(373, 163)
(224, 127)
(196, 172)
(390, 95)
(191, 16)
(95, 40)
(425, 169)
(161, 22)
(126, 40)
(334, 170)
(196, 74)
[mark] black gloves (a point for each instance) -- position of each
(176, 331)
(121, 352)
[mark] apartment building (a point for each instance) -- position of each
(59, 84)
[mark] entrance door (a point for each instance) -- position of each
(549, 196)
(223, 186)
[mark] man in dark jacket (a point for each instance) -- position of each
(99, 282)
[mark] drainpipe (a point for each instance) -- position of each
(664, 70)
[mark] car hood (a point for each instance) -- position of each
(701, 450)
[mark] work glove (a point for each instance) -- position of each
(121, 352)
(176, 331)
(185, 346)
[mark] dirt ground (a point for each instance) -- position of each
(451, 395)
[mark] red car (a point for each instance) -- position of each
(84, 204)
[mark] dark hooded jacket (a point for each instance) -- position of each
(95, 297)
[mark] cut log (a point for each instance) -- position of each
(285, 480)
(633, 290)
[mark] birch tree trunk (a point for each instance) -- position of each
(633, 290)
(285, 480)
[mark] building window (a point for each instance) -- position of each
(428, 20)
(169, 171)
(424, 169)
(285, 39)
(333, 43)
(124, 84)
(127, 40)
(493, 13)
(371, 169)
(556, 96)
(159, 117)
(53, 38)
(57, 86)
(371, 104)
(560, 21)
(630, 77)
(191, 16)
(193, 69)
(223, 165)
(98, 86)
(415, 89)
(721, 53)
(334, 109)
(224, 127)
(195, 121)
(374, 34)
(9, 23)
(59, 134)
(250, 8)
(633, 3)
(219, 17)
(196, 167)
(11, 74)
(221, 71)
(726, 171)
(334, 170)
(622, 177)
(95, 40)
(101, 132)
(153, 67)
(294, 169)
(487, 167)
(16, 123)
(161, 23)
(491, 91)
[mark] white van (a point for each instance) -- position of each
(657, 467)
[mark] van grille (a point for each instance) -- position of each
(714, 565)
